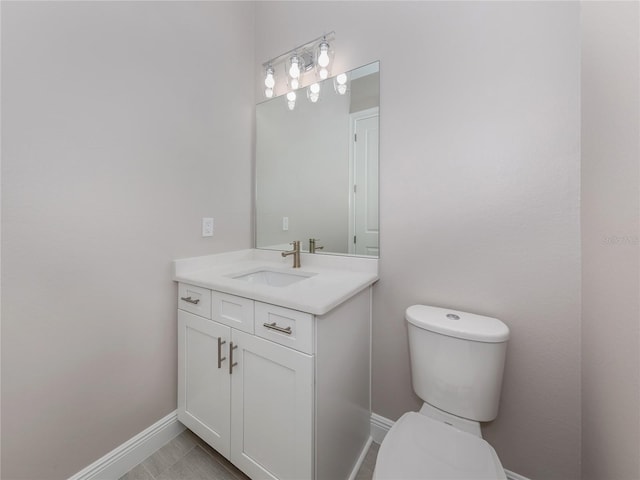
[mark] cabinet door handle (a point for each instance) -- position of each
(274, 326)
(220, 357)
(232, 364)
(190, 300)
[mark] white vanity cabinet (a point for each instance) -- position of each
(271, 410)
(204, 389)
(282, 394)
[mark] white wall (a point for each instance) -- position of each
(610, 240)
(479, 175)
(123, 123)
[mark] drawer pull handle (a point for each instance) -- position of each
(220, 357)
(190, 300)
(274, 326)
(232, 364)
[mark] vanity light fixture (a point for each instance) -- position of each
(303, 66)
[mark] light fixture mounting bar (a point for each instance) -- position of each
(299, 49)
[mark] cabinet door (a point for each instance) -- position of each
(203, 387)
(271, 410)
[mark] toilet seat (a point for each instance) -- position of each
(420, 448)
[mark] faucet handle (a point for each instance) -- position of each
(295, 252)
(312, 245)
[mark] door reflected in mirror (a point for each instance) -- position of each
(317, 167)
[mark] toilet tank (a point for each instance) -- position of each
(457, 360)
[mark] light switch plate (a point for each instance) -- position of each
(207, 227)
(285, 223)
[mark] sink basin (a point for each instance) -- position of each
(274, 278)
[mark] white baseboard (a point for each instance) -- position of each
(514, 476)
(123, 458)
(381, 425)
(363, 454)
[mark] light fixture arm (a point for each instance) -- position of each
(300, 49)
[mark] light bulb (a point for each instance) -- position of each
(313, 94)
(294, 83)
(324, 73)
(269, 81)
(291, 100)
(294, 70)
(323, 57)
(268, 92)
(340, 83)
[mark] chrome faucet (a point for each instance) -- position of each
(295, 252)
(312, 245)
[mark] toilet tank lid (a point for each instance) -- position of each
(467, 326)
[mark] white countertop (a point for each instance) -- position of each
(335, 278)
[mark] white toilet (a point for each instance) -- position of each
(457, 361)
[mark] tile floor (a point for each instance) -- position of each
(187, 457)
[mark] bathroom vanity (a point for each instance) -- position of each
(274, 362)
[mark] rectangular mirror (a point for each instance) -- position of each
(317, 167)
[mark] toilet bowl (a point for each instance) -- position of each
(457, 361)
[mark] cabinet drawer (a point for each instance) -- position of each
(194, 299)
(290, 328)
(237, 312)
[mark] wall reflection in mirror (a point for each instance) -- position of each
(317, 167)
